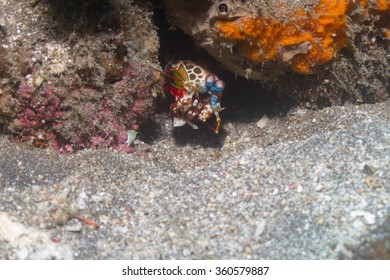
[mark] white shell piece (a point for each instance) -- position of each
(194, 126)
(177, 122)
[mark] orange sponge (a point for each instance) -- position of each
(383, 5)
(303, 38)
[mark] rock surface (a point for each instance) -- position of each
(318, 52)
(23, 242)
(304, 185)
(76, 74)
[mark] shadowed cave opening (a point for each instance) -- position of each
(245, 100)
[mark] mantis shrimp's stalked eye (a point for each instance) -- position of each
(219, 85)
(210, 79)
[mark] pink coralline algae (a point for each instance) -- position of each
(77, 74)
(73, 119)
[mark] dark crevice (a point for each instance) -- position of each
(245, 100)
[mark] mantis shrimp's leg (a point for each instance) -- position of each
(216, 109)
(216, 129)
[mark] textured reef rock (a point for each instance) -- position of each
(76, 74)
(318, 51)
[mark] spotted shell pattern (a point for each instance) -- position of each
(196, 75)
